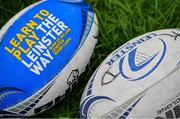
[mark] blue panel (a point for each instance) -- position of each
(50, 47)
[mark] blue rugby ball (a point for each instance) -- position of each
(43, 51)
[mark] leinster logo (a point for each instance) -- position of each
(137, 63)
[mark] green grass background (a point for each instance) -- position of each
(119, 21)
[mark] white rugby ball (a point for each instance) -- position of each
(43, 51)
(140, 79)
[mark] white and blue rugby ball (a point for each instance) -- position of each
(43, 51)
(141, 79)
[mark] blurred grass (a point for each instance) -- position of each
(119, 21)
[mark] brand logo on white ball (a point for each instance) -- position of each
(142, 61)
(135, 60)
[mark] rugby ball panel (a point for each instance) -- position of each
(64, 81)
(43, 47)
(128, 76)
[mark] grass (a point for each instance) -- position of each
(119, 21)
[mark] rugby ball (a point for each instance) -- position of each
(140, 79)
(43, 51)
